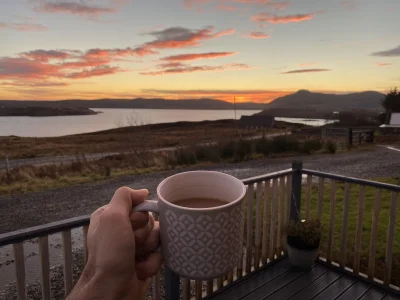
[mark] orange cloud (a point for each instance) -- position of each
(195, 56)
(274, 19)
(23, 26)
(306, 71)
(33, 84)
(192, 69)
(73, 8)
(383, 64)
(257, 35)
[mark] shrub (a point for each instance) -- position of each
(263, 146)
(227, 150)
(243, 149)
(331, 147)
(185, 156)
(281, 144)
(310, 146)
(305, 235)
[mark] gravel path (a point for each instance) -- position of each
(26, 210)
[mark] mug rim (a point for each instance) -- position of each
(160, 198)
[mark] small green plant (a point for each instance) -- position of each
(304, 235)
(331, 147)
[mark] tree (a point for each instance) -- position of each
(391, 102)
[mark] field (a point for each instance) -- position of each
(123, 139)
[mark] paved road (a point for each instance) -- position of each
(13, 163)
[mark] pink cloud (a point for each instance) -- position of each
(305, 71)
(46, 55)
(274, 19)
(257, 35)
(227, 8)
(180, 37)
(384, 64)
(192, 69)
(97, 71)
(73, 8)
(195, 56)
(171, 65)
(23, 26)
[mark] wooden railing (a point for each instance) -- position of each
(359, 224)
(271, 201)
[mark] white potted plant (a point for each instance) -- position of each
(303, 239)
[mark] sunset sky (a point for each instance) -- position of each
(255, 50)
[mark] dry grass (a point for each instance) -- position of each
(123, 139)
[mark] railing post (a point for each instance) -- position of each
(172, 291)
(295, 199)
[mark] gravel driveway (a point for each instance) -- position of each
(26, 210)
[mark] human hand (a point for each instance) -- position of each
(121, 245)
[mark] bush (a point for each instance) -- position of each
(310, 146)
(284, 144)
(185, 156)
(227, 150)
(331, 147)
(243, 149)
(263, 146)
(208, 153)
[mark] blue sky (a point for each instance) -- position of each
(254, 49)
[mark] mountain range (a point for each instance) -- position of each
(287, 106)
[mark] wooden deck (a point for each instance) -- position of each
(281, 281)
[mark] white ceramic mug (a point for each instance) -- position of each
(200, 243)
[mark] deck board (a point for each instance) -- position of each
(281, 281)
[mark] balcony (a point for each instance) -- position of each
(359, 255)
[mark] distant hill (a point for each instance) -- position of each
(40, 111)
(140, 103)
(306, 104)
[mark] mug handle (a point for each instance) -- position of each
(148, 205)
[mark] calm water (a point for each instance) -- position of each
(113, 118)
(110, 118)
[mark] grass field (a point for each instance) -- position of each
(124, 139)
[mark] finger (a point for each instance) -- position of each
(139, 219)
(143, 233)
(125, 199)
(149, 267)
(153, 240)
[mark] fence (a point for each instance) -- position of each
(271, 200)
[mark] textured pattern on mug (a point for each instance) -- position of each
(205, 245)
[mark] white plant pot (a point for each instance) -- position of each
(302, 258)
